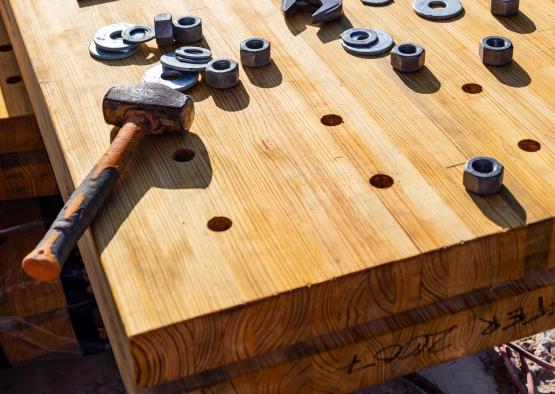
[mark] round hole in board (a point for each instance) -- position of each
(437, 4)
(219, 223)
(381, 181)
(529, 145)
(183, 155)
(472, 88)
(5, 48)
(14, 79)
(331, 120)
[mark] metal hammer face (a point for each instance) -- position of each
(323, 10)
(164, 109)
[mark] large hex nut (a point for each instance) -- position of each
(187, 29)
(504, 7)
(222, 73)
(255, 52)
(408, 57)
(496, 50)
(483, 176)
(163, 29)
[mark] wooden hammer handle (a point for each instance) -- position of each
(45, 262)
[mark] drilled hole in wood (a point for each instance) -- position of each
(14, 79)
(219, 223)
(472, 88)
(183, 155)
(529, 145)
(381, 181)
(5, 48)
(331, 120)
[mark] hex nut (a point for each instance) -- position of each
(496, 50)
(504, 7)
(222, 73)
(255, 52)
(408, 57)
(483, 176)
(163, 29)
(187, 29)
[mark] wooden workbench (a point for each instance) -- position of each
(319, 264)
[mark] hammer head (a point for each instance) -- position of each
(164, 109)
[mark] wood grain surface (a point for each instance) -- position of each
(313, 246)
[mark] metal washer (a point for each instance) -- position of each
(183, 80)
(170, 61)
(451, 9)
(194, 54)
(376, 2)
(109, 38)
(133, 34)
(101, 54)
(352, 37)
(383, 44)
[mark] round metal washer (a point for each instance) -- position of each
(170, 61)
(383, 44)
(376, 2)
(101, 54)
(109, 38)
(177, 80)
(359, 37)
(138, 34)
(437, 9)
(194, 53)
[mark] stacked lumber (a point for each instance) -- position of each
(36, 319)
(272, 260)
(25, 170)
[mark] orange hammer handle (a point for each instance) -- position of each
(45, 262)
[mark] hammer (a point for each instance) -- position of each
(147, 108)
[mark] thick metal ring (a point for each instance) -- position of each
(171, 61)
(383, 44)
(109, 38)
(138, 34)
(437, 9)
(101, 54)
(187, 29)
(359, 37)
(222, 74)
(177, 80)
(194, 53)
(255, 52)
(376, 2)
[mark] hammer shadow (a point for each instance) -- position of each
(328, 32)
(89, 3)
(175, 161)
(264, 77)
(519, 23)
(235, 99)
(511, 74)
(422, 81)
(502, 208)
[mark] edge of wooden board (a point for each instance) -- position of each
(335, 306)
(394, 345)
